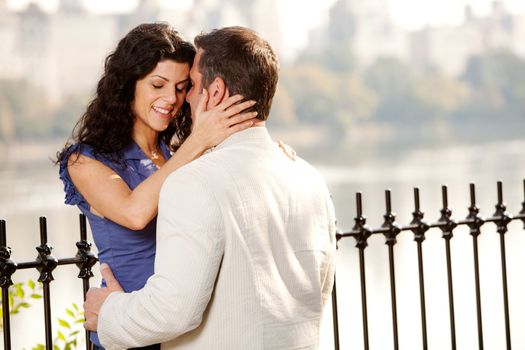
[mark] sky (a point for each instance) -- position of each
(409, 14)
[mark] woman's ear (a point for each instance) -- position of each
(217, 92)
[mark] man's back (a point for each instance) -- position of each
(245, 256)
(272, 225)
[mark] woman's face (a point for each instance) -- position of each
(160, 95)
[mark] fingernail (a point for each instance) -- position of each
(254, 102)
(255, 113)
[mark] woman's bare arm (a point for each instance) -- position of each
(109, 196)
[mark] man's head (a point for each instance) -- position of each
(234, 60)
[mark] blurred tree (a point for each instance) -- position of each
(389, 77)
(283, 108)
(440, 94)
(392, 81)
(498, 80)
(314, 93)
(7, 123)
(336, 58)
(356, 101)
(66, 116)
(28, 108)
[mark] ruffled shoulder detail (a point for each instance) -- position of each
(72, 196)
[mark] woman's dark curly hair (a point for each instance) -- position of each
(108, 121)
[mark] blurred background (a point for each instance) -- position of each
(376, 94)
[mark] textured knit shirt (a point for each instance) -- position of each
(245, 256)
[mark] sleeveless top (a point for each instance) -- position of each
(129, 253)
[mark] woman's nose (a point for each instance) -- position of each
(171, 97)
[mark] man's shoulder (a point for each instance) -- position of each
(195, 172)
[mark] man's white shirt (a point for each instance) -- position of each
(245, 255)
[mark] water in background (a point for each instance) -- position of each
(32, 189)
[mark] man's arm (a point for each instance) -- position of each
(190, 246)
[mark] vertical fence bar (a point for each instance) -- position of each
(362, 237)
(419, 237)
(85, 281)
(8, 267)
(364, 309)
(393, 231)
(87, 260)
(334, 316)
(447, 226)
(47, 264)
(475, 231)
(502, 220)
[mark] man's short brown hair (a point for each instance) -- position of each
(244, 60)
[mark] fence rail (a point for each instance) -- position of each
(45, 263)
(391, 229)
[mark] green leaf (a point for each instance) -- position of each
(31, 284)
(70, 313)
(19, 291)
(80, 320)
(61, 336)
(36, 296)
(24, 305)
(75, 306)
(64, 323)
(56, 347)
(74, 333)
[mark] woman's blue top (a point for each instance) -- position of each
(129, 253)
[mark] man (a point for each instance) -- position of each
(245, 235)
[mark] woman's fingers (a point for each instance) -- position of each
(230, 101)
(289, 151)
(238, 108)
(239, 118)
(233, 105)
(241, 126)
(203, 101)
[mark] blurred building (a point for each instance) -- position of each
(449, 48)
(367, 30)
(63, 52)
(9, 62)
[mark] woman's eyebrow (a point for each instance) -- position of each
(160, 76)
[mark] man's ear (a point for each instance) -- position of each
(217, 92)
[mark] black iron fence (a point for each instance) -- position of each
(45, 263)
(390, 229)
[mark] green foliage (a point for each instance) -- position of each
(20, 295)
(69, 335)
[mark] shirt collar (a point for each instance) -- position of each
(255, 133)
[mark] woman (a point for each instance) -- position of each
(121, 149)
